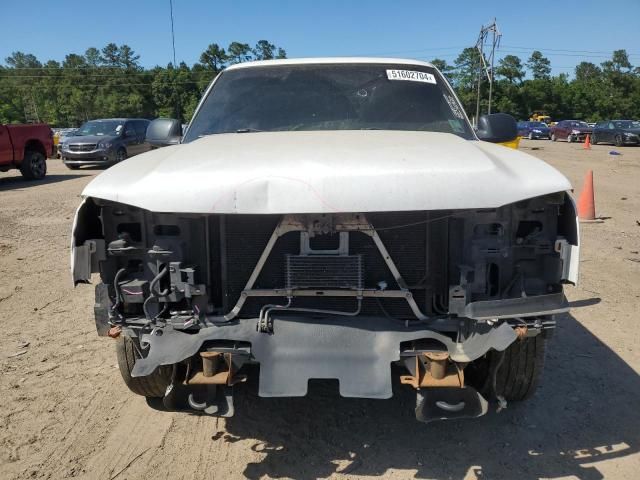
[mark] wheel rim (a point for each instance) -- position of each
(38, 167)
(618, 140)
(120, 155)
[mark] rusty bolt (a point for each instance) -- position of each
(521, 331)
(114, 332)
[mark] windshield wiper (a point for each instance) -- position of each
(240, 130)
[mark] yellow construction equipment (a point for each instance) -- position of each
(540, 117)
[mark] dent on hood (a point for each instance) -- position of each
(327, 172)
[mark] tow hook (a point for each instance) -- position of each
(440, 390)
(444, 403)
(210, 390)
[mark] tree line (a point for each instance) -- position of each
(595, 92)
(110, 82)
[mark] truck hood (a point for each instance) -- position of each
(326, 172)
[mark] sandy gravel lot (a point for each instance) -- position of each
(64, 411)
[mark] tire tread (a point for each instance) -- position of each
(153, 385)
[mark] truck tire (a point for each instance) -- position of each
(121, 155)
(618, 140)
(34, 165)
(154, 385)
(521, 369)
(517, 376)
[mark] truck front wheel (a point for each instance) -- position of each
(34, 165)
(519, 369)
(154, 385)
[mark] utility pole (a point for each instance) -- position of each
(480, 47)
(485, 32)
(178, 111)
(173, 37)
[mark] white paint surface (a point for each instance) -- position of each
(325, 172)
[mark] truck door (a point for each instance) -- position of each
(6, 148)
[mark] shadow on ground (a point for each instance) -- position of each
(17, 182)
(584, 412)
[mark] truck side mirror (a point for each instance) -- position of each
(497, 128)
(163, 132)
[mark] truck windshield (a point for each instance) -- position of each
(110, 128)
(330, 97)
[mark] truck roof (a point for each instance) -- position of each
(329, 60)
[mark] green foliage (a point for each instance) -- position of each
(510, 67)
(539, 66)
(110, 82)
(214, 57)
(611, 90)
(238, 52)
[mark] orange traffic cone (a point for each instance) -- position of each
(586, 202)
(587, 142)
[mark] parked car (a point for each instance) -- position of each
(534, 130)
(325, 219)
(162, 128)
(59, 136)
(570, 130)
(105, 142)
(618, 132)
(26, 147)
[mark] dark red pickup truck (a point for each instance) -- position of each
(26, 147)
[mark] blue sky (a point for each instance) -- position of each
(567, 32)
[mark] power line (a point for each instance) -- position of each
(566, 50)
(149, 73)
(595, 55)
(117, 84)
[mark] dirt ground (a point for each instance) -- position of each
(64, 411)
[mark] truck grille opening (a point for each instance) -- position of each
(324, 271)
(446, 259)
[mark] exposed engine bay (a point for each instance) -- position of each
(331, 296)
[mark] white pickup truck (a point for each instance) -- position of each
(330, 219)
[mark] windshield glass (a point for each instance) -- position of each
(627, 124)
(329, 97)
(100, 127)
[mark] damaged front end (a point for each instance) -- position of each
(328, 296)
